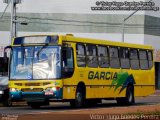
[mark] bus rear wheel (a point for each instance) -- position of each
(129, 99)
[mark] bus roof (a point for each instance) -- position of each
(69, 38)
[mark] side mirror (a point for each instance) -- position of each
(5, 54)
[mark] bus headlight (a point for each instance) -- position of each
(50, 89)
(54, 88)
(13, 90)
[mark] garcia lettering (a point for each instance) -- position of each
(102, 75)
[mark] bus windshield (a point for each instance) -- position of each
(36, 62)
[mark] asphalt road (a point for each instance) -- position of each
(22, 109)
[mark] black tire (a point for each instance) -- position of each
(130, 95)
(6, 98)
(129, 99)
(79, 99)
(7, 102)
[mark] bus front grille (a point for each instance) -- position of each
(32, 84)
(32, 90)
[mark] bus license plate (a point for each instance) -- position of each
(48, 93)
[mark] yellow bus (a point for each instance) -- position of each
(46, 68)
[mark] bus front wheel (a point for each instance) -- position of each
(79, 99)
(7, 102)
(6, 98)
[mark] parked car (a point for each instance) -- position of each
(4, 89)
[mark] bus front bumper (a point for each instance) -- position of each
(16, 96)
(42, 96)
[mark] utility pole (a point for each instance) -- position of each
(13, 25)
(13, 18)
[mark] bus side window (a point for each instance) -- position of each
(67, 62)
(114, 57)
(150, 59)
(92, 60)
(81, 58)
(134, 59)
(124, 58)
(143, 59)
(103, 57)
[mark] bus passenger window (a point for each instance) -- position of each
(124, 58)
(150, 59)
(134, 59)
(143, 59)
(92, 60)
(114, 57)
(67, 62)
(103, 57)
(81, 58)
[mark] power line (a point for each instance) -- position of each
(91, 23)
(81, 23)
(5, 10)
(65, 20)
(74, 21)
(77, 21)
(144, 26)
(72, 24)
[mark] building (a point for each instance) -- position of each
(73, 16)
